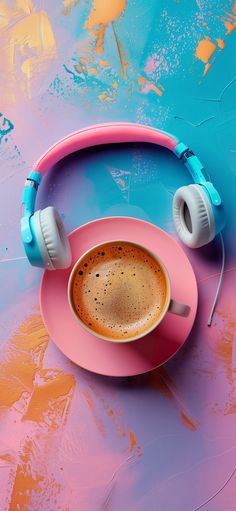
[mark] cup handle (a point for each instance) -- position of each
(178, 308)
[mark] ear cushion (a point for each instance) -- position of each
(52, 239)
(193, 216)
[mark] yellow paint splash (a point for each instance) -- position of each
(27, 45)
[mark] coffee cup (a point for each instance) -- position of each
(120, 291)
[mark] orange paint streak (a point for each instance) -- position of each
(229, 20)
(207, 67)
(100, 34)
(7, 457)
(22, 358)
(206, 47)
(101, 15)
(103, 97)
(25, 482)
(103, 63)
(147, 85)
(224, 345)
(133, 443)
(230, 27)
(155, 89)
(187, 421)
(221, 43)
(161, 380)
(91, 404)
(115, 418)
(51, 396)
(92, 71)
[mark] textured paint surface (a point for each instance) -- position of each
(69, 439)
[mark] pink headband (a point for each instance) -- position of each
(111, 133)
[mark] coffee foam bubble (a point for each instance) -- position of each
(119, 290)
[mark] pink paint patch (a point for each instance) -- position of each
(154, 63)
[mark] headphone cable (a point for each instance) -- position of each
(219, 282)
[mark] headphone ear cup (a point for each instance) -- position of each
(193, 216)
(52, 239)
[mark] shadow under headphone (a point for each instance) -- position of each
(197, 208)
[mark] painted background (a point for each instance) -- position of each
(71, 440)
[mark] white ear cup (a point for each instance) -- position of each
(193, 216)
(52, 239)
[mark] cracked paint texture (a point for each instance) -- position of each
(70, 439)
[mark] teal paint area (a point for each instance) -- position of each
(6, 126)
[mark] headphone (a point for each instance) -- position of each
(197, 208)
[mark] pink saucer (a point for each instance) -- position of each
(105, 357)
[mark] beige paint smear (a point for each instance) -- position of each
(28, 46)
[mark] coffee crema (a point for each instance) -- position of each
(119, 290)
